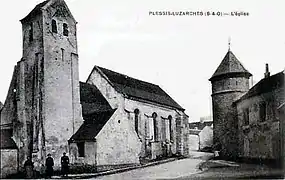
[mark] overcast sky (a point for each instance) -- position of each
(179, 53)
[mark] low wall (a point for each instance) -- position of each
(9, 162)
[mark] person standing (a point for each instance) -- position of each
(29, 168)
(49, 166)
(64, 165)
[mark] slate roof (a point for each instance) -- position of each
(92, 126)
(1, 105)
(96, 112)
(265, 85)
(200, 125)
(138, 89)
(194, 131)
(6, 139)
(36, 10)
(92, 100)
(230, 65)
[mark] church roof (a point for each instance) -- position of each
(230, 65)
(92, 126)
(1, 105)
(92, 100)
(265, 85)
(138, 89)
(36, 10)
(6, 141)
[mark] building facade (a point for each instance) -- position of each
(229, 82)
(103, 121)
(201, 135)
(139, 121)
(258, 119)
(246, 121)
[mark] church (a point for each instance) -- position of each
(110, 119)
(247, 121)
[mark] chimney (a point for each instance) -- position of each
(267, 73)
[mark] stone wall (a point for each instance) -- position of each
(224, 93)
(9, 162)
(43, 99)
(114, 98)
(145, 118)
(61, 116)
(126, 107)
(193, 142)
(117, 142)
(206, 137)
(260, 139)
(281, 114)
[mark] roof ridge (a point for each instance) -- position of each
(230, 65)
(126, 75)
(136, 88)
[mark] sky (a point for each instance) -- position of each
(178, 53)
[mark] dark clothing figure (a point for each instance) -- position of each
(29, 168)
(64, 165)
(49, 167)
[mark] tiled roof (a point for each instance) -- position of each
(92, 126)
(138, 89)
(6, 139)
(36, 10)
(1, 105)
(194, 131)
(92, 100)
(265, 85)
(200, 125)
(230, 65)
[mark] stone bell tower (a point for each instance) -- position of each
(49, 71)
(229, 82)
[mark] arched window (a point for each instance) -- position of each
(155, 126)
(65, 29)
(170, 128)
(53, 26)
(31, 33)
(137, 120)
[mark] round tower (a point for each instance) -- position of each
(229, 82)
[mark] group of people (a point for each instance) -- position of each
(29, 166)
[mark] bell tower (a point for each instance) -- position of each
(229, 82)
(51, 78)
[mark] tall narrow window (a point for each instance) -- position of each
(53, 26)
(81, 149)
(170, 128)
(137, 120)
(62, 54)
(246, 116)
(65, 29)
(262, 111)
(155, 126)
(31, 33)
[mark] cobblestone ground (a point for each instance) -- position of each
(172, 170)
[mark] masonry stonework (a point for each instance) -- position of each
(43, 104)
(229, 82)
(260, 139)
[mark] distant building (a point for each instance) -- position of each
(201, 134)
(246, 121)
